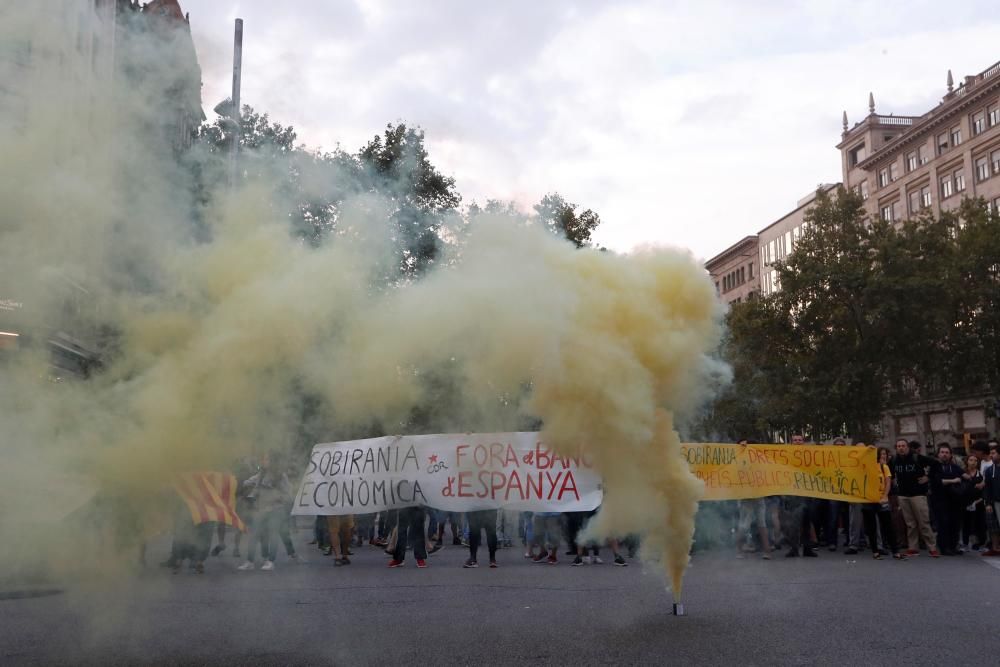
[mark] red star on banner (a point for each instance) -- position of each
(434, 458)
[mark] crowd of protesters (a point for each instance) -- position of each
(946, 506)
(938, 504)
(264, 502)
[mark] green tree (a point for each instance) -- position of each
(560, 217)
(869, 314)
(974, 340)
(396, 165)
(756, 344)
(309, 186)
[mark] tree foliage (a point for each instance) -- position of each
(868, 314)
(560, 217)
(396, 165)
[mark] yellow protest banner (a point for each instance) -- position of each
(733, 472)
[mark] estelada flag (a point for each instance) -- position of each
(210, 496)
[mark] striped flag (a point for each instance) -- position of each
(210, 496)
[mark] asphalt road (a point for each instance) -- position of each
(836, 610)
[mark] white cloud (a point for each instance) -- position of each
(691, 124)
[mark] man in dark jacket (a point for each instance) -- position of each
(947, 499)
(911, 489)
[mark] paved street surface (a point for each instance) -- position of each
(834, 610)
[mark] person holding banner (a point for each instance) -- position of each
(545, 531)
(478, 522)
(752, 511)
(339, 529)
(410, 530)
(880, 514)
(798, 520)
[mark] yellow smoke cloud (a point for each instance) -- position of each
(219, 340)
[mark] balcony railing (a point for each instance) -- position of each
(894, 120)
(972, 82)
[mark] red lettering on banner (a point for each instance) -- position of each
(542, 455)
(464, 490)
(480, 453)
(498, 481)
(514, 481)
(534, 491)
(484, 486)
(502, 455)
(552, 484)
(448, 491)
(459, 451)
(569, 484)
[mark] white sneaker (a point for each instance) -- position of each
(268, 565)
(247, 566)
(586, 559)
(596, 560)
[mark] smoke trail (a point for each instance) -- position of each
(218, 324)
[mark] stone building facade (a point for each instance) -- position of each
(734, 271)
(65, 66)
(902, 166)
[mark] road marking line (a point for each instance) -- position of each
(992, 561)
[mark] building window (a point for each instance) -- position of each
(857, 154)
(887, 212)
(897, 213)
(911, 161)
(883, 177)
(922, 155)
(978, 123)
(914, 197)
(959, 181)
(956, 136)
(925, 196)
(893, 172)
(995, 160)
(863, 189)
(750, 270)
(993, 111)
(942, 142)
(982, 169)
(947, 187)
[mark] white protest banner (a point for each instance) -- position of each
(451, 472)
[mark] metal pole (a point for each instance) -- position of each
(234, 148)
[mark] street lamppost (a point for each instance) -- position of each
(230, 109)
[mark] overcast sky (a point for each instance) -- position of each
(689, 124)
